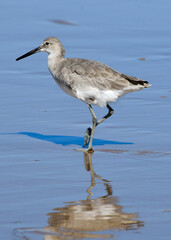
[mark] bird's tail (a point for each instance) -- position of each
(137, 81)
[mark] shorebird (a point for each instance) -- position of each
(90, 81)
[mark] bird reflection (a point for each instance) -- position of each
(88, 218)
(89, 167)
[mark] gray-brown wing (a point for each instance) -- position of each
(82, 72)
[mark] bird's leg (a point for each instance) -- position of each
(94, 120)
(89, 130)
(87, 136)
(111, 111)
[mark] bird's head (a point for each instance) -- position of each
(51, 45)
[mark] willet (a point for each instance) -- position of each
(90, 81)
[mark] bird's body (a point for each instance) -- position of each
(90, 81)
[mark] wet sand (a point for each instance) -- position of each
(49, 190)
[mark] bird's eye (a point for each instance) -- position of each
(47, 43)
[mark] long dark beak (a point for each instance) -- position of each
(29, 53)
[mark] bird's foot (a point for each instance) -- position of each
(90, 150)
(85, 150)
(87, 136)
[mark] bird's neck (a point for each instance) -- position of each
(54, 62)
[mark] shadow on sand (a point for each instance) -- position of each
(68, 140)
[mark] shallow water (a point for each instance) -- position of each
(49, 190)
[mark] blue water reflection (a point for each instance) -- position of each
(68, 140)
